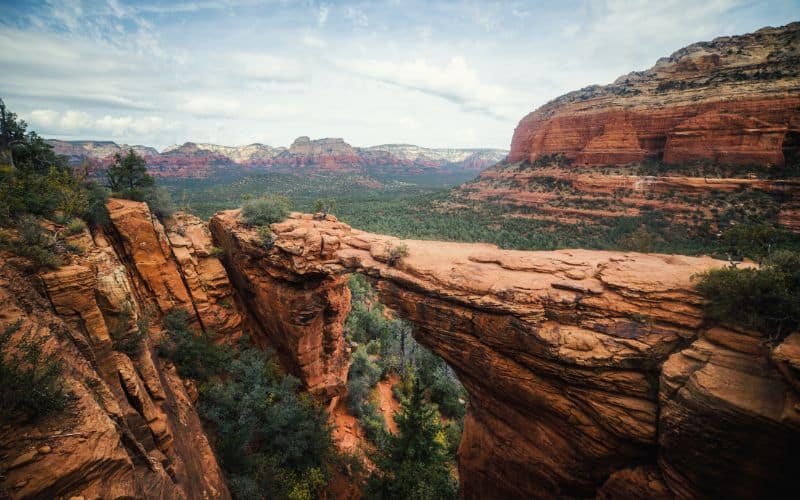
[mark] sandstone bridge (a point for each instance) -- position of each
(590, 373)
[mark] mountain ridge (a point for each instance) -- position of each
(201, 160)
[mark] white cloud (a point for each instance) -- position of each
(268, 67)
(67, 11)
(454, 81)
(310, 40)
(211, 106)
(79, 123)
(436, 73)
(357, 16)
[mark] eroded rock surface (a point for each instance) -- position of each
(734, 100)
(587, 370)
(129, 429)
(708, 135)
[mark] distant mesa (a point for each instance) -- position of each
(201, 160)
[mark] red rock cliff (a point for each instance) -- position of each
(130, 429)
(590, 373)
(735, 100)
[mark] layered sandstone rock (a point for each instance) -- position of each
(298, 315)
(204, 275)
(695, 141)
(129, 428)
(176, 271)
(562, 355)
(733, 100)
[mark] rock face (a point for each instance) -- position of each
(589, 373)
(176, 269)
(707, 137)
(328, 155)
(130, 430)
(734, 100)
(298, 315)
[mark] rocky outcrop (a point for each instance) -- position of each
(696, 142)
(204, 275)
(299, 315)
(734, 100)
(589, 373)
(178, 271)
(129, 429)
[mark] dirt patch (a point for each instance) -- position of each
(387, 402)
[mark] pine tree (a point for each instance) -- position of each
(415, 464)
(128, 176)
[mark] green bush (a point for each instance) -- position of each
(96, 213)
(34, 243)
(395, 252)
(360, 289)
(361, 380)
(272, 441)
(265, 236)
(74, 226)
(160, 202)
(194, 354)
(756, 241)
(640, 240)
(32, 385)
(763, 299)
(266, 210)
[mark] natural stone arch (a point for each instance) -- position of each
(584, 368)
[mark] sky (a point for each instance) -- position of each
(432, 73)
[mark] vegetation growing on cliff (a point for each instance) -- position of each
(265, 210)
(763, 299)
(38, 185)
(31, 378)
(127, 178)
(414, 462)
(272, 440)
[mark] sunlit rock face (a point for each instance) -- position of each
(130, 428)
(714, 121)
(734, 100)
(585, 369)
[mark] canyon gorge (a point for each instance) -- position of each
(589, 373)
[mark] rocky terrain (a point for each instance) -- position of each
(197, 161)
(710, 119)
(130, 429)
(589, 373)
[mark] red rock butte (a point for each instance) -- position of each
(735, 100)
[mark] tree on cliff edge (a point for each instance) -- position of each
(415, 463)
(128, 176)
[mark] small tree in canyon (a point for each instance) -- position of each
(415, 463)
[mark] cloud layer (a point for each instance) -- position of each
(434, 73)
